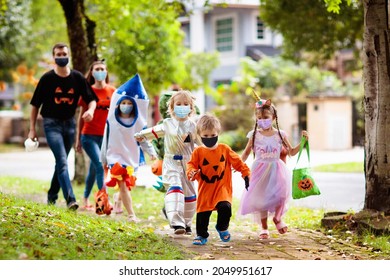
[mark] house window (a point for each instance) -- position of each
(185, 27)
(224, 35)
(260, 28)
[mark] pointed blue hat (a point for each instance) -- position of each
(133, 88)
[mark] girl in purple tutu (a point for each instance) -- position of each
(270, 182)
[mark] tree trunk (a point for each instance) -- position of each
(83, 52)
(76, 33)
(376, 61)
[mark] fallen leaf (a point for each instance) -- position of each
(207, 257)
(222, 245)
(60, 225)
(23, 256)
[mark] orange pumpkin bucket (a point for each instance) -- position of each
(157, 167)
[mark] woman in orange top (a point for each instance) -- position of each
(90, 135)
(211, 165)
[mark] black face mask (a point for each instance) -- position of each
(210, 142)
(61, 61)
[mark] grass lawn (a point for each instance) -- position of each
(347, 167)
(30, 229)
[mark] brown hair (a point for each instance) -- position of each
(208, 122)
(273, 111)
(89, 76)
(59, 46)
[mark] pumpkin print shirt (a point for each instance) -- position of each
(215, 175)
(59, 96)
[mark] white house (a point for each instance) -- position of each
(234, 30)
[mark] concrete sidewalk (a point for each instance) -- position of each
(339, 191)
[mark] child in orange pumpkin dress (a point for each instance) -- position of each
(211, 165)
(270, 183)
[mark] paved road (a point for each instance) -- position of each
(340, 192)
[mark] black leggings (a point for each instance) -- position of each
(224, 210)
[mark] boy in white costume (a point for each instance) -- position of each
(179, 134)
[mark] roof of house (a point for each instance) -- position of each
(257, 52)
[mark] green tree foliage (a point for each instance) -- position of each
(307, 26)
(271, 77)
(275, 76)
(194, 70)
(23, 24)
(14, 27)
(139, 37)
(47, 21)
(235, 115)
(133, 36)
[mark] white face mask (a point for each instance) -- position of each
(31, 145)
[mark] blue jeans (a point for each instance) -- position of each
(91, 145)
(60, 138)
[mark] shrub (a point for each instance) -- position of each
(236, 139)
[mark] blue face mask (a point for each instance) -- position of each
(61, 61)
(181, 111)
(126, 108)
(99, 75)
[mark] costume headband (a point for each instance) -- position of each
(261, 102)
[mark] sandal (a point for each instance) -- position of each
(264, 234)
(199, 240)
(133, 219)
(88, 207)
(280, 226)
(224, 235)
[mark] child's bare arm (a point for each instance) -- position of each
(247, 150)
(148, 148)
(295, 150)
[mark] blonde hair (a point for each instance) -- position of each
(189, 97)
(208, 122)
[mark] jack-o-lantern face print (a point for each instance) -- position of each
(305, 184)
(157, 167)
(64, 97)
(212, 168)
